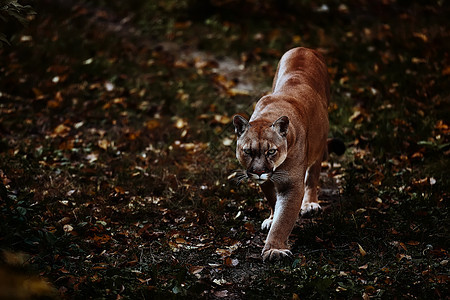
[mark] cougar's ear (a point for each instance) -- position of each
(281, 125)
(240, 124)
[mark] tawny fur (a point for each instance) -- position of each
(284, 142)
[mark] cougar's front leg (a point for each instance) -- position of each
(268, 189)
(287, 208)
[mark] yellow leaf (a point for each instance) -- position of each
(180, 123)
(222, 119)
(421, 36)
(104, 144)
(361, 250)
(61, 130)
(356, 116)
(418, 60)
(236, 92)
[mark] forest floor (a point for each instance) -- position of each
(116, 146)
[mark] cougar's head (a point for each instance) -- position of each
(261, 147)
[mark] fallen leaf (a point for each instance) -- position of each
(221, 294)
(363, 267)
(220, 281)
(104, 144)
(119, 189)
(67, 145)
(180, 240)
(64, 221)
(227, 141)
(403, 246)
(356, 116)
(152, 124)
(92, 157)
(361, 250)
(413, 243)
(196, 269)
(37, 93)
(61, 130)
(421, 36)
(180, 123)
(420, 182)
(230, 262)
(224, 252)
(67, 228)
(144, 280)
(401, 256)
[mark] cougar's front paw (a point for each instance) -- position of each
(266, 224)
(310, 207)
(275, 254)
(275, 251)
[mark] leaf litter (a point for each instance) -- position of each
(115, 149)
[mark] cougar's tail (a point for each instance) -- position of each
(336, 146)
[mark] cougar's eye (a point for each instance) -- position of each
(247, 151)
(271, 151)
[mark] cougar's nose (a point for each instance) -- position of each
(259, 175)
(258, 172)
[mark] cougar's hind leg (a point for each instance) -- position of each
(310, 201)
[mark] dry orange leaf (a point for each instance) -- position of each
(420, 182)
(61, 130)
(119, 190)
(67, 145)
(413, 243)
(152, 124)
(421, 36)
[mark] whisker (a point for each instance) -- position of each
(281, 172)
(238, 176)
(279, 176)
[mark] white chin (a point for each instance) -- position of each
(260, 179)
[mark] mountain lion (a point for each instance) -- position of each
(285, 141)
